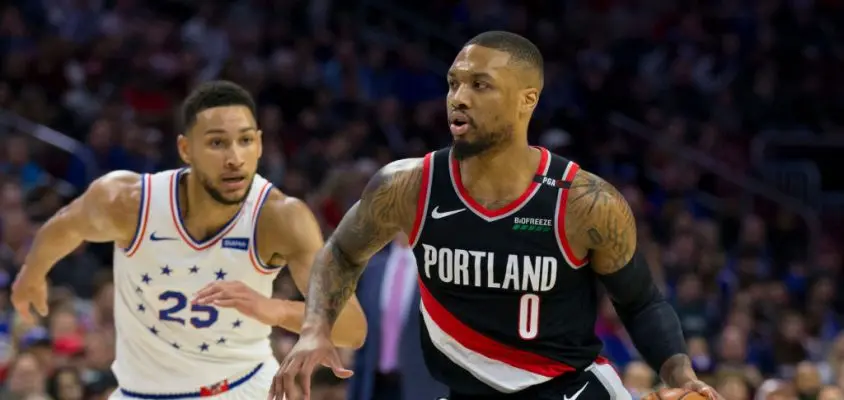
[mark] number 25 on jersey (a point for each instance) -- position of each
(202, 316)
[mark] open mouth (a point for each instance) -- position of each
(234, 182)
(458, 123)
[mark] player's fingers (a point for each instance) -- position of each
(208, 290)
(334, 362)
(211, 297)
(41, 306)
(305, 379)
(277, 390)
(288, 379)
(227, 303)
(23, 310)
(708, 392)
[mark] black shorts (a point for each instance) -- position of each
(598, 382)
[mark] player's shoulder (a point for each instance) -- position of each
(587, 187)
(279, 206)
(400, 177)
(120, 191)
(594, 205)
(288, 220)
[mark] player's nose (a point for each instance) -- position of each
(461, 98)
(235, 159)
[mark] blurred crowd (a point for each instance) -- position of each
(341, 92)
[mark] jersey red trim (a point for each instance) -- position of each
(486, 346)
(519, 202)
(422, 200)
(575, 261)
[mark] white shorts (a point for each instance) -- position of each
(257, 386)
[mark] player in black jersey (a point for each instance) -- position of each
(510, 243)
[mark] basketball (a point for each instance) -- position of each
(674, 394)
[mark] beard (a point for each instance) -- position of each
(218, 196)
(463, 149)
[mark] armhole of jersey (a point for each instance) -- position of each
(422, 201)
(560, 219)
(257, 263)
(143, 216)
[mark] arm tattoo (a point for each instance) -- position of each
(599, 219)
(386, 207)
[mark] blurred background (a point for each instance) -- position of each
(722, 122)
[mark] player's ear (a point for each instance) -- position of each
(184, 150)
(530, 98)
(260, 143)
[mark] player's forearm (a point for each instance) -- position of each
(656, 332)
(334, 278)
(651, 322)
(348, 331)
(54, 240)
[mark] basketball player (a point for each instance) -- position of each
(511, 242)
(174, 233)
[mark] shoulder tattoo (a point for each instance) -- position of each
(600, 220)
(387, 206)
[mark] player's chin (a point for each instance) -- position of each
(232, 196)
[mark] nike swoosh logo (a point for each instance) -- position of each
(159, 238)
(576, 395)
(436, 214)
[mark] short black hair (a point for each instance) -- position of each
(210, 95)
(521, 49)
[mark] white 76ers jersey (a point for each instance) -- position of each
(164, 343)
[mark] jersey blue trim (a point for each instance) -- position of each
(138, 229)
(189, 395)
(181, 222)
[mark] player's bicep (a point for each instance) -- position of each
(296, 236)
(605, 223)
(386, 207)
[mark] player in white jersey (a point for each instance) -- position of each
(196, 252)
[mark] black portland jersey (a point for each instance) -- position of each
(505, 302)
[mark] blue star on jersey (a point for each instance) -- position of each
(175, 312)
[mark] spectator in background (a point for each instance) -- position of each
(26, 379)
(831, 393)
(807, 381)
(66, 384)
(18, 165)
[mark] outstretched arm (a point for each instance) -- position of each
(106, 212)
(387, 206)
(602, 222)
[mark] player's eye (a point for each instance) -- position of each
(480, 85)
(246, 140)
(216, 143)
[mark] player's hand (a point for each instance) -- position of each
(237, 295)
(29, 291)
(703, 389)
(293, 379)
